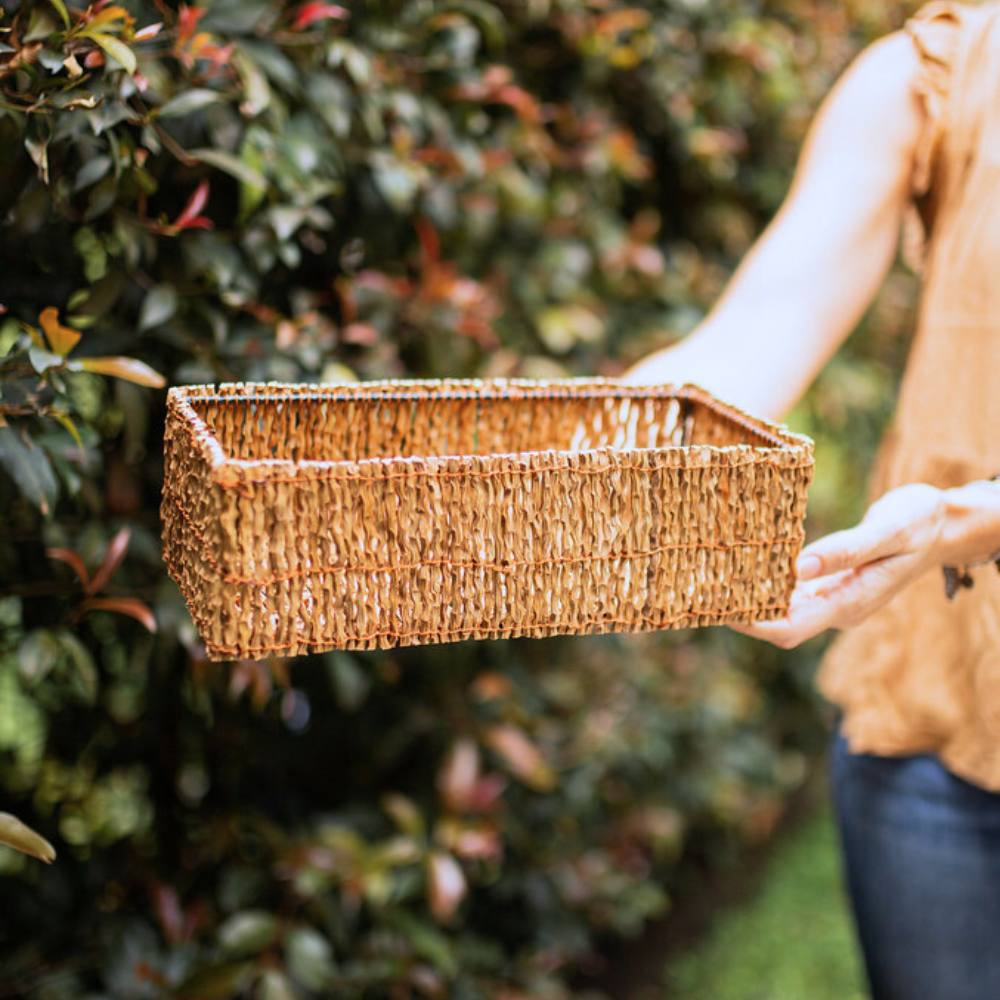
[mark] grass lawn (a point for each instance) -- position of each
(792, 941)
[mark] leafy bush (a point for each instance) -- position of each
(255, 190)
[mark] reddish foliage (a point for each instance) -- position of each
(310, 13)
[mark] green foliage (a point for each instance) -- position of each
(258, 190)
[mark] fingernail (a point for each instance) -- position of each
(808, 567)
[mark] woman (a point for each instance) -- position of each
(912, 127)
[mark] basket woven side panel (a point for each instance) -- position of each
(417, 551)
(193, 542)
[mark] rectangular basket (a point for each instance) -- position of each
(298, 519)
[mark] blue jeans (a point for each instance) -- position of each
(922, 857)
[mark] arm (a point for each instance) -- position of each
(817, 267)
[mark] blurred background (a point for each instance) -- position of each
(314, 191)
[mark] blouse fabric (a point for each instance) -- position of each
(922, 674)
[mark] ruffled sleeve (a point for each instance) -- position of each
(935, 31)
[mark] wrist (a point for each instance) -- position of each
(969, 532)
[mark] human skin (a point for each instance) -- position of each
(793, 301)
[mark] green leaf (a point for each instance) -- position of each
(487, 18)
(30, 469)
(118, 50)
(90, 248)
(286, 220)
(51, 59)
(42, 360)
(129, 369)
(23, 727)
(219, 983)
(37, 145)
(67, 421)
(349, 680)
(63, 13)
(40, 26)
(426, 941)
(251, 195)
(85, 678)
(275, 985)
(22, 838)
(563, 327)
(397, 181)
(92, 171)
(158, 306)
(37, 655)
(189, 102)
(231, 165)
(310, 958)
(256, 91)
(405, 814)
(247, 933)
(332, 100)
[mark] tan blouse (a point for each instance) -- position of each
(923, 674)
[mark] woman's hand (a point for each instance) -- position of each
(846, 576)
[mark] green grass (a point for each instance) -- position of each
(792, 941)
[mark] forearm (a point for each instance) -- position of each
(757, 368)
(817, 267)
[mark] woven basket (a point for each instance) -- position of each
(305, 518)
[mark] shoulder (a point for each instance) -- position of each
(887, 67)
(878, 96)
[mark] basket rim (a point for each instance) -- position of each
(228, 471)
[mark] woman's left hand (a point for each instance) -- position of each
(844, 577)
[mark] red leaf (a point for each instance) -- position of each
(189, 217)
(72, 560)
(150, 31)
(459, 775)
(122, 606)
(113, 556)
(309, 13)
(522, 758)
(187, 21)
(520, 100)
(430, 244)
(360, 333)
(169, 914)
(446, 885)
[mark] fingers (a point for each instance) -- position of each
(905, 520)
(846, 576)
(810, 612)
(838, 601)
(850, 549)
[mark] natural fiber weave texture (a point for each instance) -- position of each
(303, 518)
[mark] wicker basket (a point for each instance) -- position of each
(304, 518)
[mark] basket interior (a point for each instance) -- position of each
(335, 428)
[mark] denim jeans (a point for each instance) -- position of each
(922, 858)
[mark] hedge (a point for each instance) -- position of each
(316, 191)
